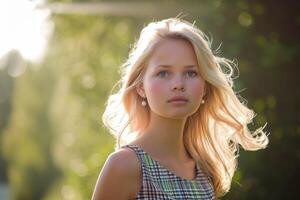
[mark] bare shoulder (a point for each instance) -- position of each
(120, 177)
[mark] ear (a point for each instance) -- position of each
(140, 90)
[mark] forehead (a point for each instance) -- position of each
(173, 52)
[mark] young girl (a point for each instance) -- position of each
(177, 120)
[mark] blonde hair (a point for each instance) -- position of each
(213, 133)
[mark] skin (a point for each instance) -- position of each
(172, 71)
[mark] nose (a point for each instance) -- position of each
(178, 84)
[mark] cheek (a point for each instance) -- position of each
(197, 88)
(156, 88)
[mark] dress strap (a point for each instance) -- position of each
(145, 159)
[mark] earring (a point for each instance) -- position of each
(144, 103)
(202, 102)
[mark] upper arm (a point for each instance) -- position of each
(118, 178)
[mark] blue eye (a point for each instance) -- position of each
(162, 74)
(191, 73)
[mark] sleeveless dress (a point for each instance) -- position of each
(159, 183)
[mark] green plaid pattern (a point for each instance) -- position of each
(160, 183)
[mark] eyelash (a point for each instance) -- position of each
(195, 73)
(190, 71)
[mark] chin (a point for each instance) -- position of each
(178, 115)
(175, 113)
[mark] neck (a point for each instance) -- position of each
(167, 136)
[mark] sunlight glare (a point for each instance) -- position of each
(24, 28)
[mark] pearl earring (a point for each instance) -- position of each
(144, 103)
(202, 102)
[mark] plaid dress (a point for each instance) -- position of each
(160, 183)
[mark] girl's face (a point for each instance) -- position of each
(172, 83)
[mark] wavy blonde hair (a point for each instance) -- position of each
(213, 133)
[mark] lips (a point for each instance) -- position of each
(178, 99)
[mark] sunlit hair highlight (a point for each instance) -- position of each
(212, 135)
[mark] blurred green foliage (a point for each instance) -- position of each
(52, 140)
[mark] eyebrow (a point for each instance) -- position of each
(169, 66)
